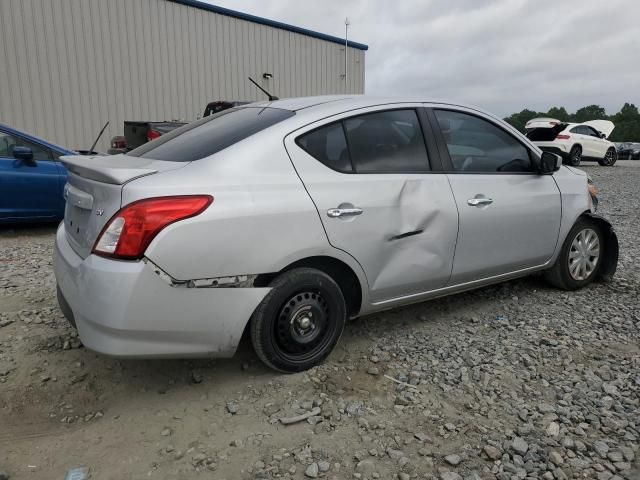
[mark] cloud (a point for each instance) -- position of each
(502, 55)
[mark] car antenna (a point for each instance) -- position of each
(271, 97)
(99, 135)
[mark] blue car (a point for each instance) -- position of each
(31, 178)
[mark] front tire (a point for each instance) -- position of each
(299, 322)
(609, 159)
(575, 156)
(580, 258)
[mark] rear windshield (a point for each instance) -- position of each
(211, 134)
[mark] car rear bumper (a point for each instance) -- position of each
(124, 309)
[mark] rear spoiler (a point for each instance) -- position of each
(114, 169)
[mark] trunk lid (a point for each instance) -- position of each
(544, 129)
(542, 122)
(93, 192)
(603, 126)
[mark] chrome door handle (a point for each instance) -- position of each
(477, 202)
(343, 212)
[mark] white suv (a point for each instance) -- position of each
(574, 141)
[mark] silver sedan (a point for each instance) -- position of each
(286, 218)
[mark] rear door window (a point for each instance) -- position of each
(476, 145)
(382, 142)
(211, 134)
(387, 142)
(328, 145)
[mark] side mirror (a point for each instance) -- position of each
(602, 135)
(24, 154)
(550, 162)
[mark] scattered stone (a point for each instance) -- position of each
(447, 475)
(601, 448)
(312, 470)
(453, 459)
(555, 458)
(373, 370)
(492, 452)
(553, 429)
(232, 407)
(366, 466)
(519, 445)
(615, 456)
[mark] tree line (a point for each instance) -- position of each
(627, 120)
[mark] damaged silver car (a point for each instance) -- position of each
(283, 219)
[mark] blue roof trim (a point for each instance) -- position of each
(271, 23)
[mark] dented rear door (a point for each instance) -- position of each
(384, 208)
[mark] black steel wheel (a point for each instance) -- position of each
(300, 320)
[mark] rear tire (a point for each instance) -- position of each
(609, 159)
(580, 258)
(575, 156)
(299, 322)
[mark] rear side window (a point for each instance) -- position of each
(211, 134)
(381, 142)
(592, 131)
(478, 146)
(329, 145)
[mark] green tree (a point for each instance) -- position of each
(518, 120)
(590, 112)
(627, 122)
(560, 113)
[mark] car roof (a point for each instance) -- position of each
(34, 139)
(349, 101)
(318, 107)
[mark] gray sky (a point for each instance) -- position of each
(502, 55)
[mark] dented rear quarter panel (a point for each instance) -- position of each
(261, 219)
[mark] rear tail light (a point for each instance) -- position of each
(152, 134)
(563, 136)
(130, 231)
(118, 142)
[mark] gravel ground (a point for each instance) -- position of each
(516, 381)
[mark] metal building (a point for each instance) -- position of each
(68, 66)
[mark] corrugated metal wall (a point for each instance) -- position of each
(68, 66)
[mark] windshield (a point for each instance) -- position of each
(209, 135)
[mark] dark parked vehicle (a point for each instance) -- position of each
(137, 133)
(215, 107)
(629, 151)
